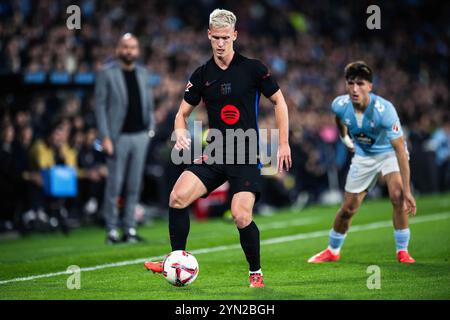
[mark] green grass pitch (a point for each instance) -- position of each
(32, 267)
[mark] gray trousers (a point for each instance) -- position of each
(125, 166)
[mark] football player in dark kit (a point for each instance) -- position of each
(230, 86)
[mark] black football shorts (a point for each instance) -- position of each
(242, 177)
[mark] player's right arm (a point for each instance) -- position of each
(183, 141)
(101, 92)
(343, 134)
(337, 106)
(192, 97)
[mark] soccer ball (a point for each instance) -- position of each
(180, 268)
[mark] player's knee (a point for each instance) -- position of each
(348, 211)
(396, 197)
(178, 200)
(241, 214)
(242, 220)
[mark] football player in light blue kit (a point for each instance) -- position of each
(369, 126)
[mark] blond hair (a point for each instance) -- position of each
(221, 18)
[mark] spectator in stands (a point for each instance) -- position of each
(440, 143)
(44, 154)
(92, 174)
(9, 178)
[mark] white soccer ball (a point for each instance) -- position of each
(180, 268)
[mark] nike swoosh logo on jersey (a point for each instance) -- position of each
(208, 83)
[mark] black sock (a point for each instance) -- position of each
(179, 224)
(250, 244)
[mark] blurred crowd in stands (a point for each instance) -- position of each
(306, 46)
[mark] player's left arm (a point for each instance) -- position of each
(394, 132)
(282, 120)
(403, 162)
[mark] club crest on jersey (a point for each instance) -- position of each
(379, 106)
(230, 114)
(188, 86)
(225, 88)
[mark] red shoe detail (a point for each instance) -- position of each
(324, 256)
(404, 257)
(156, 267)
(256, 280)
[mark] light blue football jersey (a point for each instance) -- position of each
(380, 124)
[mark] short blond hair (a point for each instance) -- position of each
(221, 18)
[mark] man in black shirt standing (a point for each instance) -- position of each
(124, 114)
(230, 86)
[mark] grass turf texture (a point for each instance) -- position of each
(224, 274)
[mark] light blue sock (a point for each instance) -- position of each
(336, 241)
(402, 239)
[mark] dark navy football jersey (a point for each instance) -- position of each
(231, 96)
